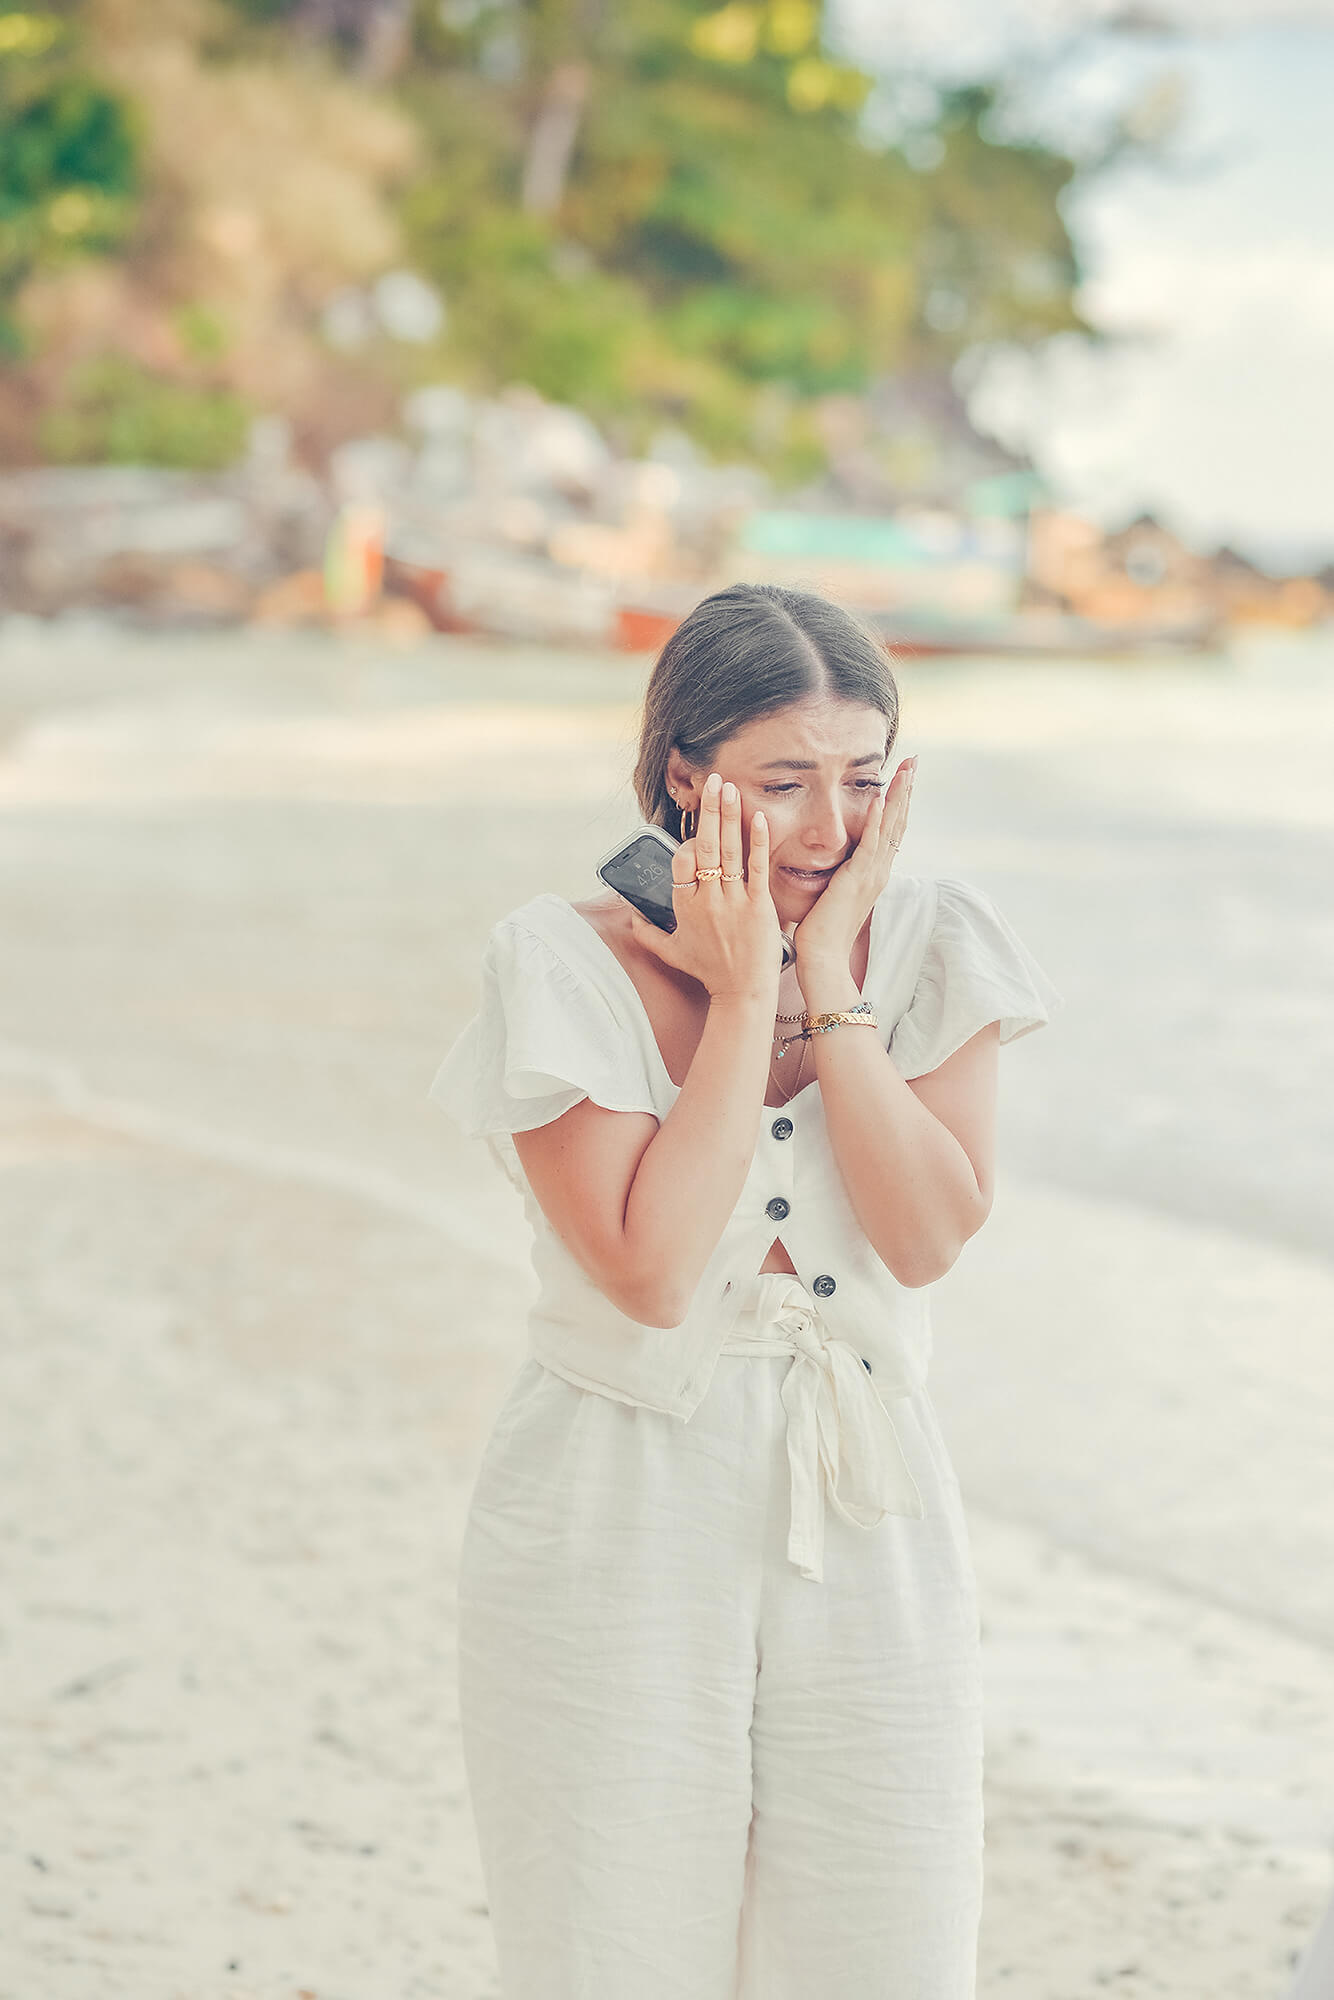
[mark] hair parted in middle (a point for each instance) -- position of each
(746, 652)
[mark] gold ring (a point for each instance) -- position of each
(734, 878)
(708, 874)
(689, 882)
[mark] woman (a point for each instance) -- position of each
(718, 1627)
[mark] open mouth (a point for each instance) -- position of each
(810, 878)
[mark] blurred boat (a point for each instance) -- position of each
(1042, 635)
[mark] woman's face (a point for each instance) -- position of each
(813, 770)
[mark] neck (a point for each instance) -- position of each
(789, 987)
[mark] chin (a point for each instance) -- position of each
(792, 895)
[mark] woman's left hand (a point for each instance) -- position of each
(830, 928)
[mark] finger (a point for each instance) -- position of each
(683, 866)
(707, 835)
(729, 836)
(905, 804)
(896, 803)
(757, 871)
(661, 943)
(868, 840)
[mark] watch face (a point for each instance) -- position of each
(641, 871)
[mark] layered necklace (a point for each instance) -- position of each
(785, 1026)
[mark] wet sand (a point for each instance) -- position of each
(260, 1301)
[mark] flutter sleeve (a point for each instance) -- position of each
(974, 971)
(544, 1037)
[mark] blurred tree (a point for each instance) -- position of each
(378, 31)
(115, 412)
(67, 155)
(375, 35)
(657, 208)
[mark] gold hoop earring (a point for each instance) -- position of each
(686, 831)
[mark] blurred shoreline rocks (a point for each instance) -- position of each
(157, 543)
(517, 517)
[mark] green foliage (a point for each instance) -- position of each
(264, 10)
(201, 333)
(67, 154)
(115, 412)
(997, 262)
(721, 224)
(654, 209)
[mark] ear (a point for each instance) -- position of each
(681, 780)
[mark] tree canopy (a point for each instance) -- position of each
(657, 210)
(67, 155)
(712, 218)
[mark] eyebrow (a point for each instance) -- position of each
(808, 764)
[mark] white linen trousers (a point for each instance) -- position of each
(722, 1725)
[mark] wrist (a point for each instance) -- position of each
(756, 1000)
(826, 985)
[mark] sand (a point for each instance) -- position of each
(260, 1303)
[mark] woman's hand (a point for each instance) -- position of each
(727, 934)
(826, 934)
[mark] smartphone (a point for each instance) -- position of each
(640, 869)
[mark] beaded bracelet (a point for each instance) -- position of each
(863, 1015)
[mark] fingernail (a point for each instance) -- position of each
(729, 791)
(715, 781)
(759, 820)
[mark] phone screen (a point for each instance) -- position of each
(641, 871)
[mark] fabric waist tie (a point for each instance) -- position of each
(840, 1436)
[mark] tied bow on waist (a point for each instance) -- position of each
(840, 1436)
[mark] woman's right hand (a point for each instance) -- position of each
(727, 934)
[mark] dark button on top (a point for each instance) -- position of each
(781, 1128)
(823, 1285)
(777, 1209)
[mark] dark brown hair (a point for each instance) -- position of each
(743, 653)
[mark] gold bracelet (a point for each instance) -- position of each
(863, 1015)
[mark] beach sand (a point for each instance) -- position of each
(260, 1302)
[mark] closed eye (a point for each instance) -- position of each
(859, 785)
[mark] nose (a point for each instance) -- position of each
(824, 829)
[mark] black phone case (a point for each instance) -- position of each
(641, 871)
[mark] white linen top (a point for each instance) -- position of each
(561, 1019)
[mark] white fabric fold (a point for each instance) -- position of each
(842, 1446)
(974, 971)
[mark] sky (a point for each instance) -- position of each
(1214, 405)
